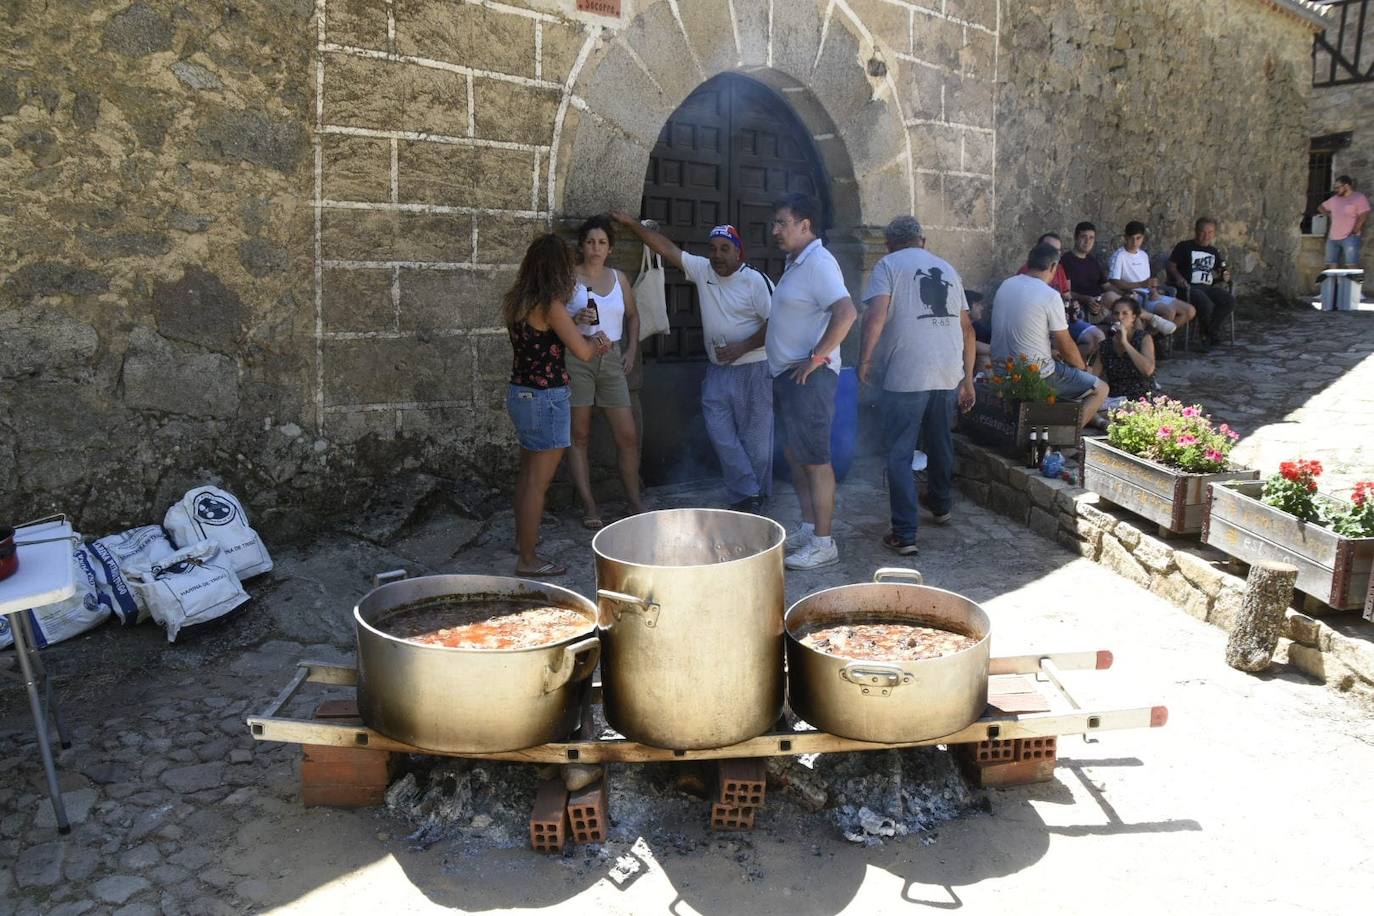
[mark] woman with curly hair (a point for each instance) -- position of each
(538, 399)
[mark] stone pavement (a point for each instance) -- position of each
(179, 811)
(1297, 385)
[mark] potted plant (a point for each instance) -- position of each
(1286, 518)
(1157, 459)
(1013, 399)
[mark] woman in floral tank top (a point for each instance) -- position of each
(538, 401)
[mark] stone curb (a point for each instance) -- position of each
(1188, 574)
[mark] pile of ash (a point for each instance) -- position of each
(485, 803)
(870, 796)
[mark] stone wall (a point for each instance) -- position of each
(1160, 112)
(1337, 109)
(264, 242)
(155, 313)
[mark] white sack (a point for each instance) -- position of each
(116, 554)
(191, 586)
(209, 513)
(84, 610)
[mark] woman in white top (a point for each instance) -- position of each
(601, 382)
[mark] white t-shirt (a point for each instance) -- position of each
(733, 307)
(1130, 266)
(810, 284)
(922, 347)
(610, 310)
(1025, 312)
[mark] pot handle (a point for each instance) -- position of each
(898, 572)
(647, 609)
(576, 663)
(873, 679)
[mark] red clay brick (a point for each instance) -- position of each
(549, 817)
(342, 796)
(589, 813)
(337, 709)
(743, 782)
(1016, 773)
(356, 772)
(1037, 748)
(994, 751)
(725, 817)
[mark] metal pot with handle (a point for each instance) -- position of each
(690, 605)
(888, 701)
(471, 700)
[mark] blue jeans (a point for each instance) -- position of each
(1349, 246)
(911, 420)
(542, 416)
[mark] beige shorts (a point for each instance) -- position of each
(600, 382)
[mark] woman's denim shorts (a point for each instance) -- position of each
(542, 417)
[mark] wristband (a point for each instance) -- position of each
(820, 360)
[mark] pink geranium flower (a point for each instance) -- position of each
(1164, 432)
(1214, 455)
(1187, 440)
(1193, 411)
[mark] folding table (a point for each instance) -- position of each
(44, 577)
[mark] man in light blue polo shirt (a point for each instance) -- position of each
(811, 314)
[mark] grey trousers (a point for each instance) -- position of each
(737, 404)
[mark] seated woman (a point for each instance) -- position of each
(1155, 324)
(981, 316)
(1126, 361)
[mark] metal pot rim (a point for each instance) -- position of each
(779, 535)
(574, 598)
(788, 620)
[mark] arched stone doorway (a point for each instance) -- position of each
(731, 149)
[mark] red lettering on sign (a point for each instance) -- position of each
(600, 7)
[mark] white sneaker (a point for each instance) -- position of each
(813, 556)
(797, 539)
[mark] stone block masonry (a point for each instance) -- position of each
(264, 243)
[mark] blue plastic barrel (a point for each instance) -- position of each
(844, 432)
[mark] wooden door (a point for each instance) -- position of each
(728, 152)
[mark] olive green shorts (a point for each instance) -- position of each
(600, 382)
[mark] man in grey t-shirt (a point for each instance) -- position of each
(1028, 320)
(917, 331)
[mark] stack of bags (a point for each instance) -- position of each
(180, 573)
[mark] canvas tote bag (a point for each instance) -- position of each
(651, 297)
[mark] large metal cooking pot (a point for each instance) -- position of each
(470, 700)
(888, 701)
(691, 626)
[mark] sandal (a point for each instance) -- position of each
(592, 522)
(549, 568)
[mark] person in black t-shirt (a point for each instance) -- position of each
(1196, 267)
(1087, 276)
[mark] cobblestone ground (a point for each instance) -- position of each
(1298, 386)
(177, 810)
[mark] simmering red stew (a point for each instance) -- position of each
(888, 642)
(483, 625)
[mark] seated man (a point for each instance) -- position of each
(982, 327)
(1087, 336)
(1129, 271)
(1087, 276)
(1196, 268)
(1028, 319)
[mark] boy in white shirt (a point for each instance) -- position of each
(1129, 271)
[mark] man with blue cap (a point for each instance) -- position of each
(737, 394)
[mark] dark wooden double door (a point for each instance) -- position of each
(728, 152)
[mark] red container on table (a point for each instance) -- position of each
(9, 556)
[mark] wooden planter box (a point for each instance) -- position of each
(1331, 568)
(1173, 500)
(1006, 425)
